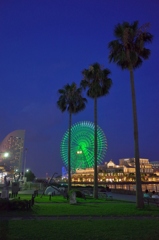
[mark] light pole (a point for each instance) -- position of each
(3, 156)
(25, 157)
(5, 191)
(26, 174)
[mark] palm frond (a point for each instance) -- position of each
(96, 80)
(128, 49)
(71, 99)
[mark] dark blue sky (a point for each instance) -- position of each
(45, 44)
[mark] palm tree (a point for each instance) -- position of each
(71, 100)
(128, 51)
(97, 80)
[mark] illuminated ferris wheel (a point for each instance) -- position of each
(82, 145)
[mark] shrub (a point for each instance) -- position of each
(15, 204)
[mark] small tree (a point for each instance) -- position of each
(29, 176)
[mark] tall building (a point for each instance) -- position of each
(13, 144)
(64, 172)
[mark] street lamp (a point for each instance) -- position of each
(6, 154)
(25, 159)
(3, 155)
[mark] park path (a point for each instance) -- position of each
(76, 217)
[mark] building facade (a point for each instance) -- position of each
(129, 163)
(109, 172)
(155, 164)
(13, 144)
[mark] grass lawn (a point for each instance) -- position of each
(101, 207)
(124, 221)
(116, 229)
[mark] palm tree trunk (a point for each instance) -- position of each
(69, 153)
(95, 150)
(139, 194)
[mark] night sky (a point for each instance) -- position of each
(45, 44)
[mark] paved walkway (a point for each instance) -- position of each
(124, 197)
(76, 217)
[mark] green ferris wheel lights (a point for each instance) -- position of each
(82, 145)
